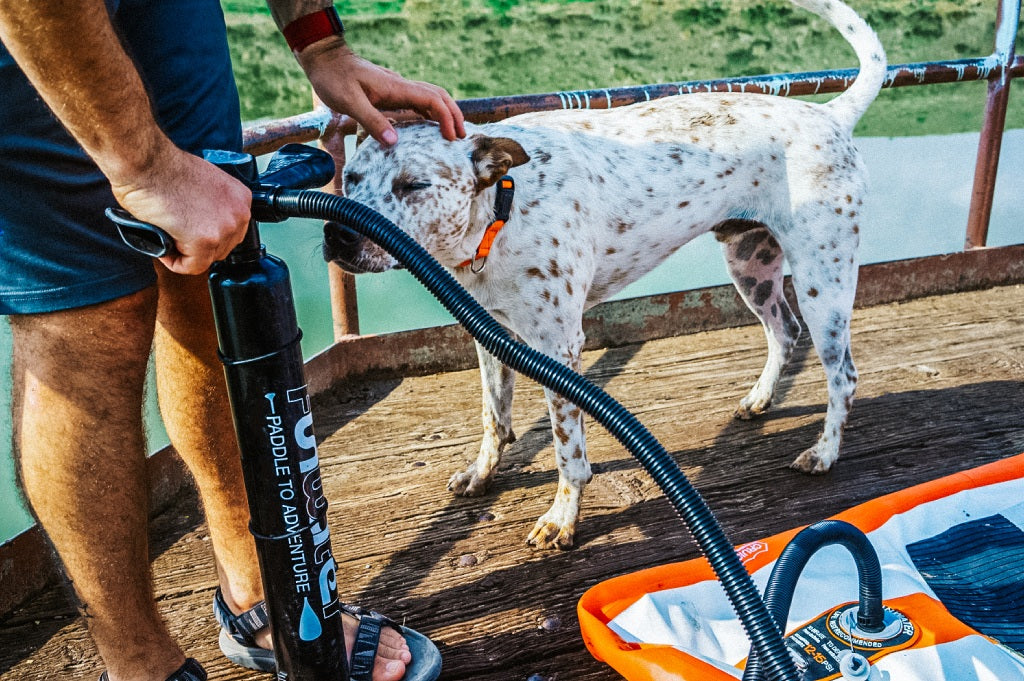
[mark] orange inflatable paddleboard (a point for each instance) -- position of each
(952, 557)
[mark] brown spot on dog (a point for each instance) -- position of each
(748, 244)
(728, 229)
(610, 251)
(568, 287)
(766, 256)
(683, 204)
(812, 292)
(535, 272)
(553, 269)
(762, 292)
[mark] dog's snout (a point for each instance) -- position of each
(340, 234)
(351, 251)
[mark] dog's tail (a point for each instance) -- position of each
(851, 104)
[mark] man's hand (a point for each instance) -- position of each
(205, 210)
(361, 89)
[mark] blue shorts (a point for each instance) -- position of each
(57, 250)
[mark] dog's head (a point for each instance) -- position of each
(427, 186)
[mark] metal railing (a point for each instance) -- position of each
(998, 68)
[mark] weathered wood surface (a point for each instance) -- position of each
(942, 390)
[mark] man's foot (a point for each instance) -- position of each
(245, 639)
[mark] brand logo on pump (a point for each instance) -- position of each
(303, 509)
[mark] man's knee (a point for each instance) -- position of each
(107, 342)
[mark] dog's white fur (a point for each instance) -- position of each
(602, 197)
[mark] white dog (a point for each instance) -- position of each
(600, 198)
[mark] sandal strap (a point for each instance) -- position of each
(190, 671)
(359, 613)
(244, 625)
(364, 650)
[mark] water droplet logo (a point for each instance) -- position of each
(309, 623)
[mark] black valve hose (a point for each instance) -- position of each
(778, 594)
(626, 428)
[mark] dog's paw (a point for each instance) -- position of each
(811, 462)
(749, 413)
(550, 535)
(752, 406)
(468, 483)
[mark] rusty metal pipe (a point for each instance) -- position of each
(987, 164)
(262, 137)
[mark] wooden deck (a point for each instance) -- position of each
(942, 390)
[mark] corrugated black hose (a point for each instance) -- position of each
(626, 428)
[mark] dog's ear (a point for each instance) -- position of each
(361, 135)
(493, 156)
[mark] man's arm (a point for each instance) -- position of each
(95, 90)
(351, 85)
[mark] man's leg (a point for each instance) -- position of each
(194, 405)
(79, 377)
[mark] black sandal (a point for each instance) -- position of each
(426, 659)
(238, 635)
(190, 671)
(237, 642)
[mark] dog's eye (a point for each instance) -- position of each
(404, 185)
(413, 186)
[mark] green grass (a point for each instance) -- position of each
(481, 48)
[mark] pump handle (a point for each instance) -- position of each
(298, 166)
(293, 166)
(142, 236)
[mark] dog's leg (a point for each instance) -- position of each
(557, 527)
(755, 259)
(825, 287)
(498, 383)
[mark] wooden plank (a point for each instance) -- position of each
(942, 390)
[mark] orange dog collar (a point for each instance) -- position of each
(502, 211)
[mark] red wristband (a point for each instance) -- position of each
(306, 30)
